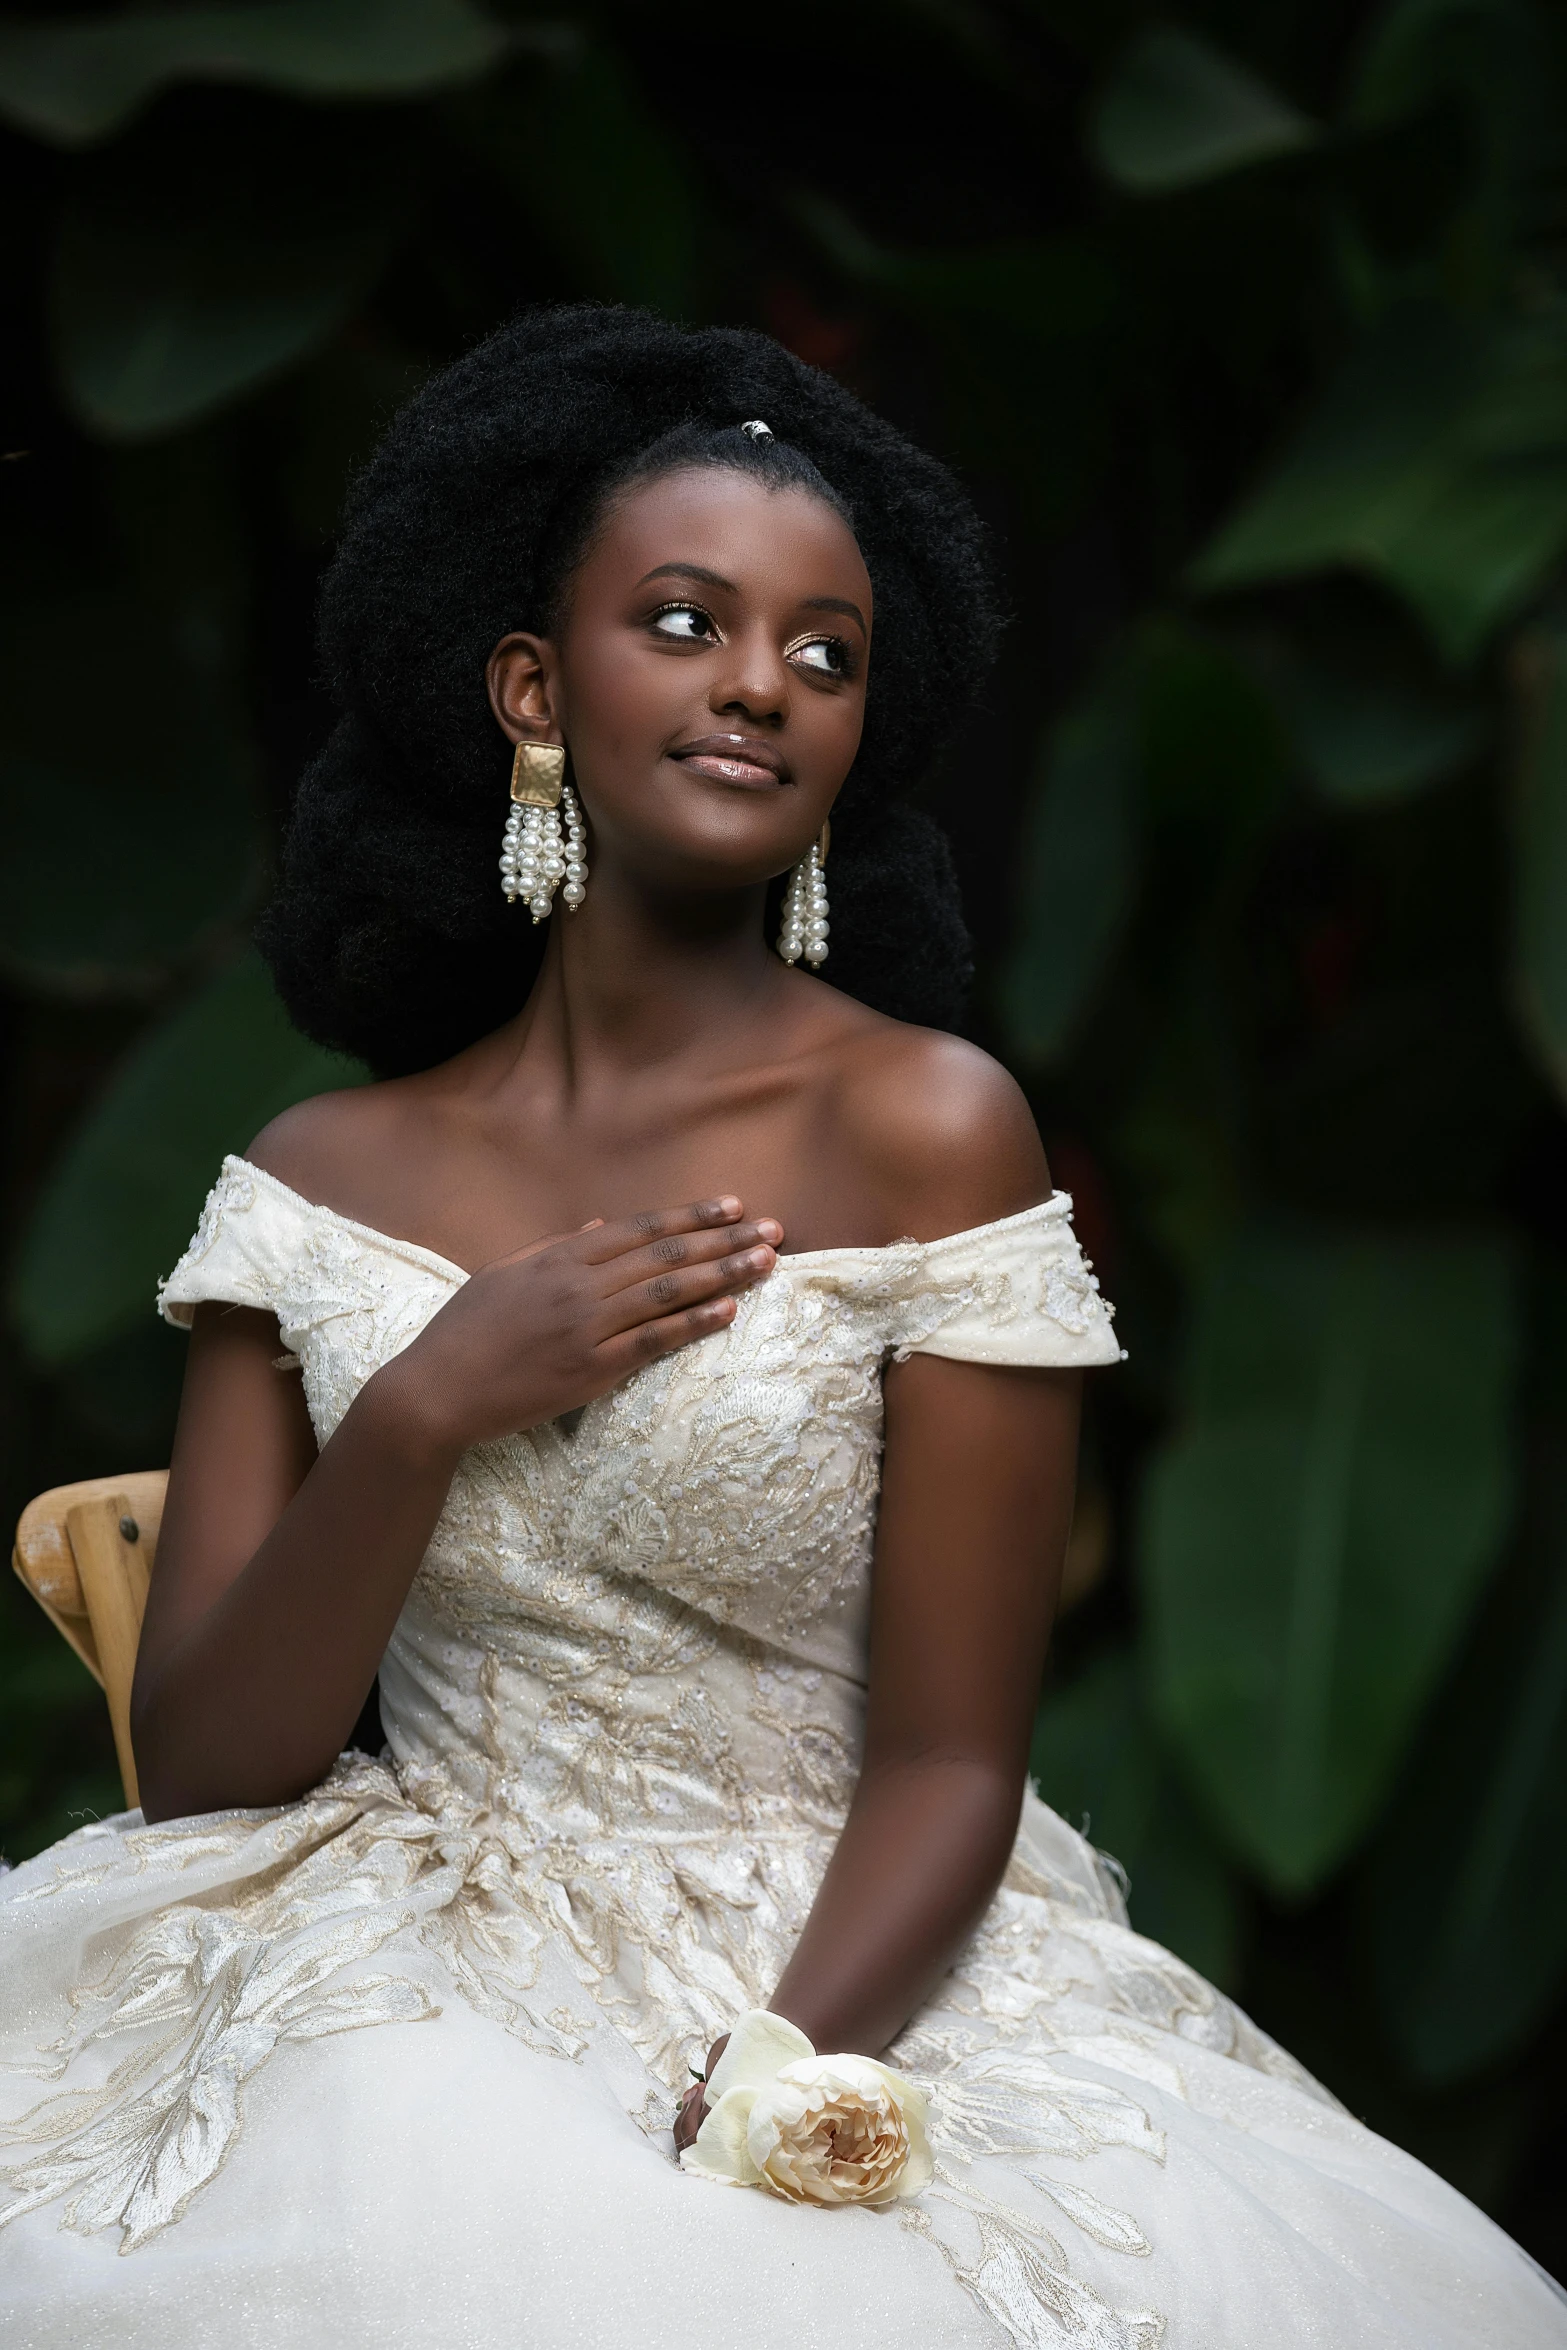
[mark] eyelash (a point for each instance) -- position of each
(847, 667)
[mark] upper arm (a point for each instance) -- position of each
(976, 1505)
(979, 1463)
(243, 1447)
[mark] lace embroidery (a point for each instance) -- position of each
(624, 1707)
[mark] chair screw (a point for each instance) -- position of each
(129, 1530)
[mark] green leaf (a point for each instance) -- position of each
(123, 1200)
(74, 82)
(1175, 733)
(122, 847)
(163, 310)
(1437, 461)
(1418, 50)
(1540, 850)
(606, 183)
(1023, 328)
(1045, 290)
(1212, 747)
(1365, 736)
(1317, 1532)
(1468, 1887)
(1079, 858)
(1176, 112)
(1097, 1761)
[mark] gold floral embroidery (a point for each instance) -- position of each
(624, 1705)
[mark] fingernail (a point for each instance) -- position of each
(770, 1230)
(728, 1205)
(759, 1259)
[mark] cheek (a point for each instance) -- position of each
(832, 725)
(613, 700)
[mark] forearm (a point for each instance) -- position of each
(253, 1703)
(922, 1852)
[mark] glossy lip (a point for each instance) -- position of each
(734, 758)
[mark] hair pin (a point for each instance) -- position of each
(756, 430)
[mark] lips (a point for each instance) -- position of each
(736, 759)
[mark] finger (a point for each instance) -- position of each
(626, 1351)
(531, 1248)
(676, 1249)
(550, 1240)
(650, 1224)
(677, 1288)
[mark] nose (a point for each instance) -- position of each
(753, 683)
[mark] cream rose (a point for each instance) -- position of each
(814, 2129)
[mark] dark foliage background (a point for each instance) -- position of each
(1248, 331)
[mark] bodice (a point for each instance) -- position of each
(646, 1624)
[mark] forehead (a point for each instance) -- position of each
(784, 541)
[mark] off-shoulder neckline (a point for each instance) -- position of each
(1058, 1205)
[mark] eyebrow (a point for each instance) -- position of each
(716, 579)
(837, 604)
(688, 571)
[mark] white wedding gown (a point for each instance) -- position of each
(394, 2067)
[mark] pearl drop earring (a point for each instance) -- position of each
(804, 928)
(535, 853)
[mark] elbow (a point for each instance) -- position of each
(188, 1766)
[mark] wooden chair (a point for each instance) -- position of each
(85, 1552)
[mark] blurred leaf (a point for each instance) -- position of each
(1177, 111)
(75, 81)
(163, 310)
(1043, 289)
(1495, 55)
(123, 1200)
(130, 824)
(1096, 1761)
(604, 180)
(1468, 1888)
(1213, 750)
(1023, 328)
(1172, 1141)
(1540, 849)
(1175, 732)
(1078, 866)
(124, 1397)
(1365, 737)
(1317, 1533)
(1436, 459)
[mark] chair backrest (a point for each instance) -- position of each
(85, 1552)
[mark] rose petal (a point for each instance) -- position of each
(909, 2094)
(760, 2045)
(718, 2150)
(919, 2169)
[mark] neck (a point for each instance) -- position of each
(639, 978)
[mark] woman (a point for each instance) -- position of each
(389, 2052)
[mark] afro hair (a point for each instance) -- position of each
(388, 936)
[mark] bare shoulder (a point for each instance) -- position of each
(321, 1147)
(941, 1130)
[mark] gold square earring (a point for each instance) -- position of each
(545, 841)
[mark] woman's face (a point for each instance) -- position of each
(708, 678)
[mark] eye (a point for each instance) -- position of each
(688, 624)
(829, 656)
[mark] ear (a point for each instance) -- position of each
(520, 677)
